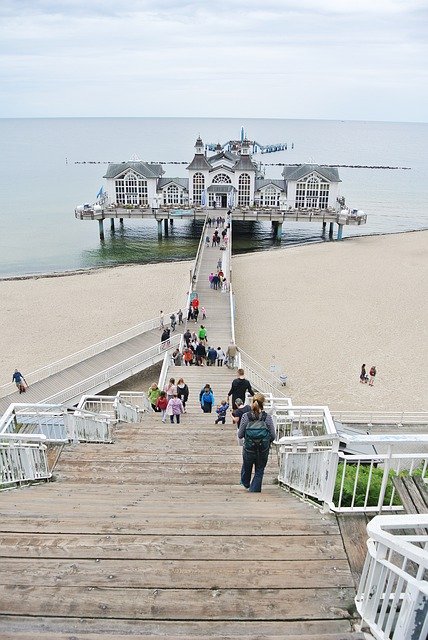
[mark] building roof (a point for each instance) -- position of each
(143, 168)
(223, 155)
(262, 182)
(297, 173)
(199, 163)
(181, 182)
(245, 163)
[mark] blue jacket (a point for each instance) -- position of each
(207, 398)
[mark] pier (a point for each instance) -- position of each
(147, 533)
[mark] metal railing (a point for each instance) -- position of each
(351, 482)
(122, 369)
(130, 405)
(392, 597)
(392, 418)
(22, 459)
(259, 376)
(84, 354)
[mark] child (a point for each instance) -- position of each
(207, 241)
(204, 313)
(221, 412)
(206, 398)
(175, 408)
(161, 404)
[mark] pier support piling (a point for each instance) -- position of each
(165, 226)
(330, 230)
(324, 225)
(159, 228)
(112, 225)
(277, 227)
(121, 221)
(101, 229)
(339, 231)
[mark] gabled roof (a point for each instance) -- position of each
(222, 167)
(199, 163)
(224, 155)
(221, 188)
(262, 182)
(181, 182)
(245, 163)
(331, 174)
(143, 168)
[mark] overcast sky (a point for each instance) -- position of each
(335, 59)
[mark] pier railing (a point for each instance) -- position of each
(259, 376)
(84, 354)
(391, 418)
(347, 481)
(22, 459)
(392, 596)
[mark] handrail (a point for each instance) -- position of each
(381, 417)
(84, 354)
(121, 367)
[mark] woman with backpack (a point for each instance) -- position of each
(258, 431)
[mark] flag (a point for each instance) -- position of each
(100, 193)
(230, 199)
(203, 198)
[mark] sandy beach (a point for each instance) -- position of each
(322, 310)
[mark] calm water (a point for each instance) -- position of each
(39, 189)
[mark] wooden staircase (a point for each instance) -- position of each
(153, 537)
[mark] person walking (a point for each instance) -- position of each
(20, 381)
(187, 337)
(211, 356)
(188, 356)
(201, 354)
(175, 408)
(221, 412)
(183, 392)
(170, 389)
(173, 321)
(180, 316)
(220, 356)
(240, 386)
(372, 374)
(258, 431)
(239, 411)
(161, 404)
(202, 334)
(153, 394)
(231, 353)
(206, 398)
(204, 313)
(161, 320)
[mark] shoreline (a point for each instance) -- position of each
(90, 270)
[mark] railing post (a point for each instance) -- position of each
(385, 478)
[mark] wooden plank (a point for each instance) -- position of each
(176, 574)
(109, 629)
(415, 495)
(422, 490)
(353, 528)
(178, 604)
(403, 492)
(251, 547)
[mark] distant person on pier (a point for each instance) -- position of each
(204, 313)
(190, 315)
(188, 356)
(220, 356)
(209, 222)
(210, 279)
(202, 334)
(173, 321)
(258, 431)
(183, 392)
(372, 374)
(200, 354)
(363, 375)
(211, 356)
(196, 313)
(170, 389)
(177, 358)
(20, 381)
(239, 388)
(161, 320)
(207, 241)
(180, 316)
(187, 337)
(231, 353)
(165, 338)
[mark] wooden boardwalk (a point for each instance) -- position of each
(153, 536)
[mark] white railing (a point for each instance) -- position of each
(164, 371)
(259, 376)
(392, 596)
(198, 258)
(121, 370)
(98, 404)
(85, 426)
(391, 418)
(347, 482)
(22, 459)
(45, 420)
(130, 405)
(83, 354)
(297, 421)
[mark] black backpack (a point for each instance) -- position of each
(257, 434)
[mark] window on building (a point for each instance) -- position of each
(312, 193)
(173, 195)
(269, 197)
(131, 189)
(244, 189)
(221, 178)
(198, 187)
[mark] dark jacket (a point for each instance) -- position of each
(238, 389)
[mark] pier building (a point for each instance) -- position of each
(226, 180)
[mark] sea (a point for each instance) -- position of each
(49, 166)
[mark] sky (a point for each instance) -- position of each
(323, 59)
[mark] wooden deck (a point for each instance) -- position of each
(153, 536)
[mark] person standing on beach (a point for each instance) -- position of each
(372, 374)
(363, 374)
(239, 388)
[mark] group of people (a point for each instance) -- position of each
(171, 401)
(364, 378)
(219, 221)
(218, 281)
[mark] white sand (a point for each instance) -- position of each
(326, 309)
(322, 310)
